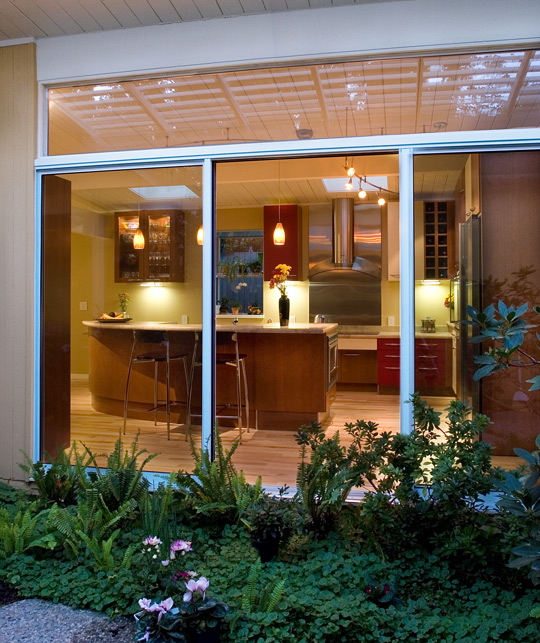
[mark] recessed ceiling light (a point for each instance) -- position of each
(165, 192)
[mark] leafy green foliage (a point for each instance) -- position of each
(57, 482)
(325, 477)
(272, 519)
(505, 328)
(91, 522)
(256, 600)
(214, 488)
(521, 497)
(123, 478)
(23, 532)
(157, 513)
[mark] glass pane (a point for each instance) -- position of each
(455, 92)
(484, 255)
(343, 369)
(106, 294)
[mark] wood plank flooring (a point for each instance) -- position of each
(270, 454)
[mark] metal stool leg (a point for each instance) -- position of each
(126, 396)
(246, 394)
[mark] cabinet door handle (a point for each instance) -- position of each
(427, 368)
(426, 356)
(394, 356)
(391, 344)
(391, 368)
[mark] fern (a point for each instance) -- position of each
(255, 600)
(215, 488)
(23, 532)
(122, 480)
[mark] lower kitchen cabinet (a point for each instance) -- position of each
(433, 364)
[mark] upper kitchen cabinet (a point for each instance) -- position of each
(161, 257)
(439, 239)
(291, 252)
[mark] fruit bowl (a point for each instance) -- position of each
(117, 320)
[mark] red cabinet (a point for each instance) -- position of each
(388, 362)
(432, 363)
(290, 253)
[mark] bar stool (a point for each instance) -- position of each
(160, 355)
(237, 361)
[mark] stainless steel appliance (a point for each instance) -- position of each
(332, 342)
(345, 263)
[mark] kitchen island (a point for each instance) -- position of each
(288, 370)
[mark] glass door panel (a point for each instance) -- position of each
(489, 250)
(347, 365)
(103, 291)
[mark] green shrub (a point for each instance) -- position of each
(214, 489)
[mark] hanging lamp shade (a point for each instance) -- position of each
(279, 234)
(200, 236)
(138, 240)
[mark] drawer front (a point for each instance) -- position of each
(429, 374)
(388, 374)
(388, 349)
(423, 346)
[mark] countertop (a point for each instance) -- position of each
(315, 329)
(389, 332)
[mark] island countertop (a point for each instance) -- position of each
(318, 329)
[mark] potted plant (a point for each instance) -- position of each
(254, 308)
(255, 266)
(271, 522)
(223, 305)
(196, 618)
(124, 298)
(236, 307)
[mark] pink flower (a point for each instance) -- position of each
(182, 546)
(165, 562)
(152, 541)
(193, 586)
(145, 637)
(144, 603)
(164, 607)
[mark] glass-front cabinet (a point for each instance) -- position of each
(149, 246)
(240, 272)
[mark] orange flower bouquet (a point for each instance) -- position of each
(279, 278)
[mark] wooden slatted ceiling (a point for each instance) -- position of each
(455, 92)
(48, 18)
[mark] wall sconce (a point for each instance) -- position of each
(200, 236)
(138, 240)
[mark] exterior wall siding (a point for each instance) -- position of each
(18, 122)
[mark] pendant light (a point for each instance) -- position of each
(381, 201)
(279, 232)
(138, 237)
(200, 236)
(138, 240)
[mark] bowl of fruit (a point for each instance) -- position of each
(113, 318)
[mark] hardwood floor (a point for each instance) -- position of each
(270, 454)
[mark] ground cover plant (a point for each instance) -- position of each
(420, 560)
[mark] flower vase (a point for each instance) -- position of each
(284, 308)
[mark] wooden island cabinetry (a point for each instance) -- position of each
(287, 371)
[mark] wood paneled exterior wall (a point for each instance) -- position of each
(18, 125)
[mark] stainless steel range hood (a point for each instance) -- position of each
(345, 262)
